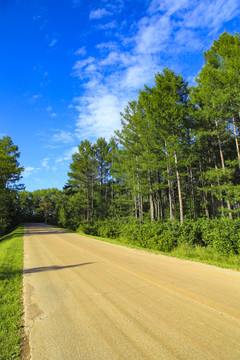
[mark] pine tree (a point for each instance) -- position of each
(10, 175)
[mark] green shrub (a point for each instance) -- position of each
(220, 235)
(109, 228)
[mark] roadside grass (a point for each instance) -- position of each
(207, 255)
(11, 310)
(201, 254)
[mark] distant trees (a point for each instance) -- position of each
(39, 205)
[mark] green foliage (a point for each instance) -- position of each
(10, 175)
(220, 235)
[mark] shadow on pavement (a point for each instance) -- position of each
(44, 232)
(53, 268)
(42, 229)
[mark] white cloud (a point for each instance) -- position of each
(110, 45)
(67, 155)
(81, 51)
(111, 59)
(44, 163)
(123, 65)
(49, 108)
(186, 38)
(169, 6)
(83, 66)
(63, 136)
(153, 34)
(99, 114)
(29, 170)
(99, 13)
(211, 14)
(111, 25)
(53, 42)
(34, 98)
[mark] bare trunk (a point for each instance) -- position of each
(140, 204)
(87, 204)
(92, 209)
(179, 189)
(170, 189)
(204, 197)
(236, 140)
(112, 196)
(159, 199)
(212, 196)
(193, 194)
(151, 195)
(135, 207)
(223, 163)
(219, 185)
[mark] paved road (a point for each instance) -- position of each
(86, 299)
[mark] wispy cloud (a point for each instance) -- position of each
(33, 99)
(45, 164)
(110, 45)
(63, 136)
(211, 14)
(111, 79)
(99, 13)
(108, 26)
(53, 42)
(67, 155)
(49, 109)
(81, 51)
(29, 170)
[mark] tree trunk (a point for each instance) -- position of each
(179, 189)
(140, 204)
(159, 211)
(193, 194)
(135, 207)
(236, 140)
(151, 195)
(112, 196)
(92, 209)
(170, 189)
(219, 185)
(212, 196)
(87, 204)
(223, 162)
(203, 193)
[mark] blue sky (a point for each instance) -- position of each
(68, 67)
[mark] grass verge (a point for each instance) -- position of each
(188, 252)
(11, 267)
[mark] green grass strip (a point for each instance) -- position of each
(11, 310)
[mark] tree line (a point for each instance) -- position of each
(175, 159)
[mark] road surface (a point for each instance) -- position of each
(86, 299)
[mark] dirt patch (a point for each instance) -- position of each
(25, 348)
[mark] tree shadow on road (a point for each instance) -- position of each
(53, 268)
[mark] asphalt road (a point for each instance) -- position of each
(86, 299)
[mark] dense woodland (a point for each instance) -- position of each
(170, 175)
